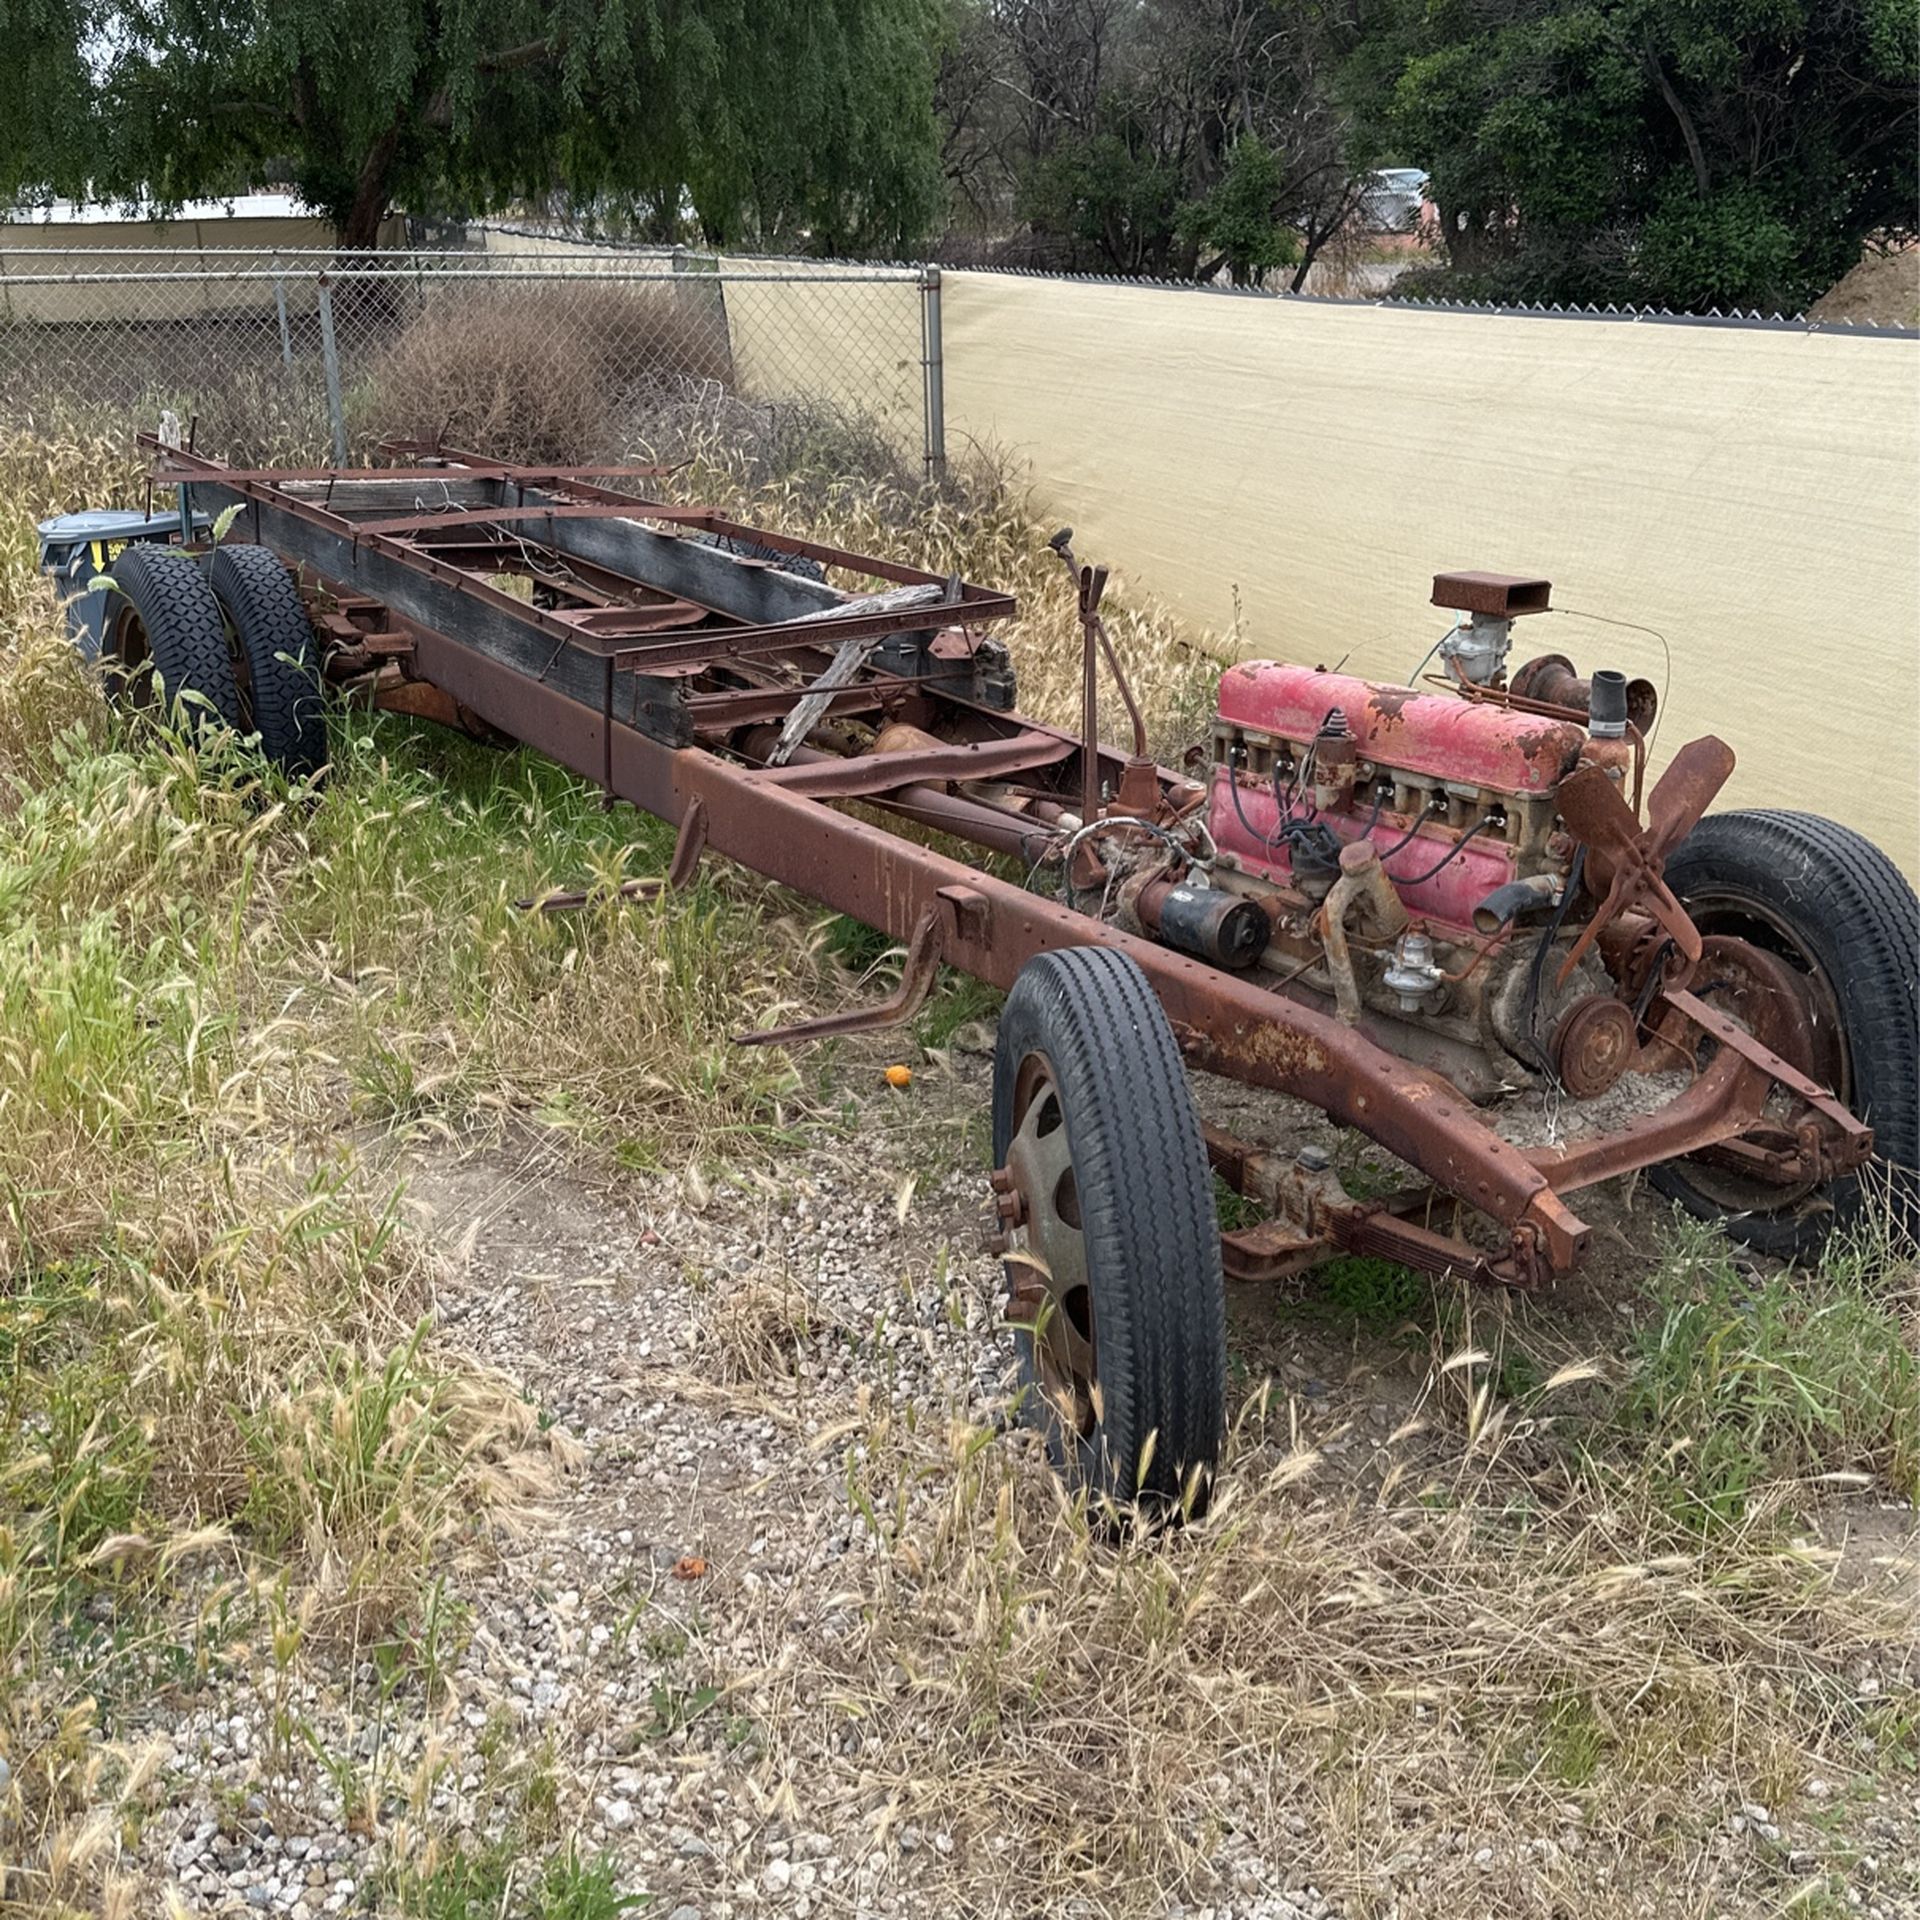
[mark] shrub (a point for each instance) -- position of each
(540, 373)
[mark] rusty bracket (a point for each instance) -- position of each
(917, 975)
(1314, 1217)
(1855, 1145)
(972, 912)
(1300, 1198)
(1724, 1103)
(687, 850)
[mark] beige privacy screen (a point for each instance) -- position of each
(1752, 493)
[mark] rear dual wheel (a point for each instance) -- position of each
(1114, 1257)
(273, 655)
(230, 646)
(166, 641)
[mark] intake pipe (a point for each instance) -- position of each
(1551, 679)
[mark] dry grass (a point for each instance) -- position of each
(540, 374)
(1493, 1675)
(221, 1396)
(757, 1330)
(1408, 1684)
(1882, 291)
(211, 1336)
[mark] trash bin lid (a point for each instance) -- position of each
(104, 523)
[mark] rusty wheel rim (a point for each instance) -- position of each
(1047, 1261)
(127, 657)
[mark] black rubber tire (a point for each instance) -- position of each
(282, 696)
(1147, 1214)
(185, 636)
(1854, 916)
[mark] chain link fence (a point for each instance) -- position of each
(538, 354)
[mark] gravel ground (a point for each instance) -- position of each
(701, 1357)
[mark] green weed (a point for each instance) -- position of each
(487, 1882)
(958, 1001)
(1739, 1382)
(1377, 1293)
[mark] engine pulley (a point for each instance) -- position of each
(1594, 1044)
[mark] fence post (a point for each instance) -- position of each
(934, 368)
(330, 355)
(280, 302)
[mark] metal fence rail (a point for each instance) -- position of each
(295, 354)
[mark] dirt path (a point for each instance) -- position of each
(712, 1356)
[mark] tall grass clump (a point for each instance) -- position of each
(225, 1413)
(1487, 1669)
(210, 1344)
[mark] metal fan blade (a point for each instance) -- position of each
(1684, 792)
(1658, 900)
(1591, 805)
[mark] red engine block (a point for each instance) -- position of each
(1431, 746)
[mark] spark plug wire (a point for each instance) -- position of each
(1452, 854)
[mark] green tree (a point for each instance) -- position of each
(1721, 153)
(1163, 137)
(1108, 195)
(1238, 223)
(775, 121)
(46, 95)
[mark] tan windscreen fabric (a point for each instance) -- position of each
(1753, 494)
(844, 340)
(127, 246)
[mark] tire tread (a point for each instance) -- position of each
(186, 636)
(1860, 917)
(1146, 1198)
(259, 598)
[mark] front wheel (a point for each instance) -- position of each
(1114, 1250)
(1812, 938)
